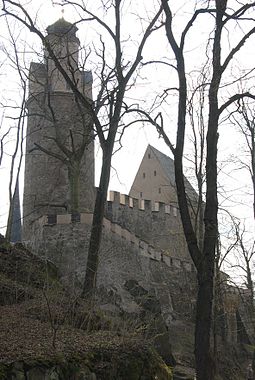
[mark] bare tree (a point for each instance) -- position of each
(204, 259)
(245, 254)
(246, 125)
(12, 56)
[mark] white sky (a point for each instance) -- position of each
(136, 138)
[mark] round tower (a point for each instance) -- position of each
(59, 163)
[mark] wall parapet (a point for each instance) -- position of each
(114, 197)
(144, 248)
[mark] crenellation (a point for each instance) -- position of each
(126, 234)
(120, 199)
(134, 240)
(151, 250)
(144, 248)
(115, 197)
(86, 218)
(64, 219)
(155, 222)
(167, 209)
(155, 206)
(130, 202)
(123, 199)
(141, 204)
(143, 245)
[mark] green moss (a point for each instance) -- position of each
(5, 246)
(3, 371)
(133, 366)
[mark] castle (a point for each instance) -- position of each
(57, 131)
(142, 235)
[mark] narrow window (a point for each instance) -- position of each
(155, 173)
(149, 155)
(143, 175)
(159, 190)
(141, 194)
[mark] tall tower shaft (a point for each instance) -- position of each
(59, 164)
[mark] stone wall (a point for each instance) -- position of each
(157, 223)
(123, 256)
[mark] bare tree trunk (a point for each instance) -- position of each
(97, 226)
(74, 184)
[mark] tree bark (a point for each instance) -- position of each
(74, 185)
(97, 227)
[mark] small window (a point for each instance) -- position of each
(141, 194)
(159, 190)
(155, 173)
(143, 175)
(149, 155)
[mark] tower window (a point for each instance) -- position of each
(143, 175)
(155, 173)
(159, 190)
(149, 155)
(141, 194)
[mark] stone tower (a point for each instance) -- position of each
(59, 164)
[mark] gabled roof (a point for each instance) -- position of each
(167, 165)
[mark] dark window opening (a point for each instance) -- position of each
(155, 173)
(143, 175)
(159, 190)
(149, 155)
(141, 194)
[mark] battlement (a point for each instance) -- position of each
(155, 222)
(144, 248)
(117, 198)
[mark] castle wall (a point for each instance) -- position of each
(123, 256)
(157, 223)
